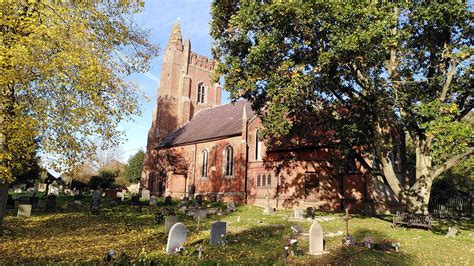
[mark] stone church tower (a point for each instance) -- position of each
(185, 88)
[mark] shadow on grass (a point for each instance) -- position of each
(441, 226)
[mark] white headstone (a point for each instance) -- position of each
(53, 190)
(24, 210)
(298, 213)
(146, 194)
(316, 236)
(176, 237)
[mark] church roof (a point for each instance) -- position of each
(217, 122)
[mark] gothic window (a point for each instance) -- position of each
(263, 181)
(258, 147)
(269, 180)
(205, 157)
(201, 89)
(258, 180)
(229, 161)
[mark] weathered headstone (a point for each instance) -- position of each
(53, 190)
(218, 230)
(297, 229)
(452, 231)
(200, 215)
(34, 202)
(24, 210)
(176, 237)
(41, 187)
(95, 204)
(50, 205)
(298, 213)
(268, 208)
(310, 213)
(316, 239)
(146, 194)
(153, 202)
(231, 206)
(169, 222)
(31, 191)
(10, 202)
(199, 199)
(168, 200)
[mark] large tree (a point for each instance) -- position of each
(62, 78)
(377, 76)
(133, 168)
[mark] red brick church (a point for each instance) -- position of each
(196, 146)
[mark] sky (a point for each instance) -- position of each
(158, 16)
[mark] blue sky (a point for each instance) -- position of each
(158, 16)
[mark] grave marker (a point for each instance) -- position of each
(146, 194)
(169, 222)
(316, 239)
(24, 210)
(176, 237)
(218, 230)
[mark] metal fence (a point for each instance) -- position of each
(451, 208)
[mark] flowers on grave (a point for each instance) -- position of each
(179, 249)
(291, 247)
(159, 217)
(223, 240)
(368, 242)
(348, 240)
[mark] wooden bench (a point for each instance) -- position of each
(409, 219)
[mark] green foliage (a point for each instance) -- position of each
(62, 77)
(457, 181)
(107, 175)
(364, 74)
(133, 168)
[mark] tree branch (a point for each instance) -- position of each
(451, 162)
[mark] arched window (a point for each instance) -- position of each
(229, 161)
(258, 147)
(205, 156)
(258, 180)
(269, 180)
(201, 89)
(263, 181)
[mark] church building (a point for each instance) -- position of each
(197, 146)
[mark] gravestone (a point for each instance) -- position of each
(146, 194)
(41, 187)
(24, 210)
(176, 237)
(153, 202)
(50, 205)
(218, 230)
(452, 231)
(31, 192)
(199, 200)
(53, 190)
(297, 229)
(168, 200)
(268, 208)
(316, 239)
(34, 202)
(298, 213)
(95, 204)
(200, 215)
(169, 222)
(310, 213)
(10, 202)
(231, 206)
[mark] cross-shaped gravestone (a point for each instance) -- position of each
(176, 237)
(347, 222)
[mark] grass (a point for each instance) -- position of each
(253, 238)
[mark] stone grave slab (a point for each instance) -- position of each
(169, 222)
(24, 210)
(146, 194)
(200, 215)
(316, 239)
(176, 237)
(218, 230)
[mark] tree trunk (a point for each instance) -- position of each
(3, 203)
(419, 194)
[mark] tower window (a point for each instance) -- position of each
(229, 161)
(205, 156)
(258, 147)
(200, 96)
(263, 181)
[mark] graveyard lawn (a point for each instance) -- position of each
(73, 235)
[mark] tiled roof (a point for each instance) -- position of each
(212, 123)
